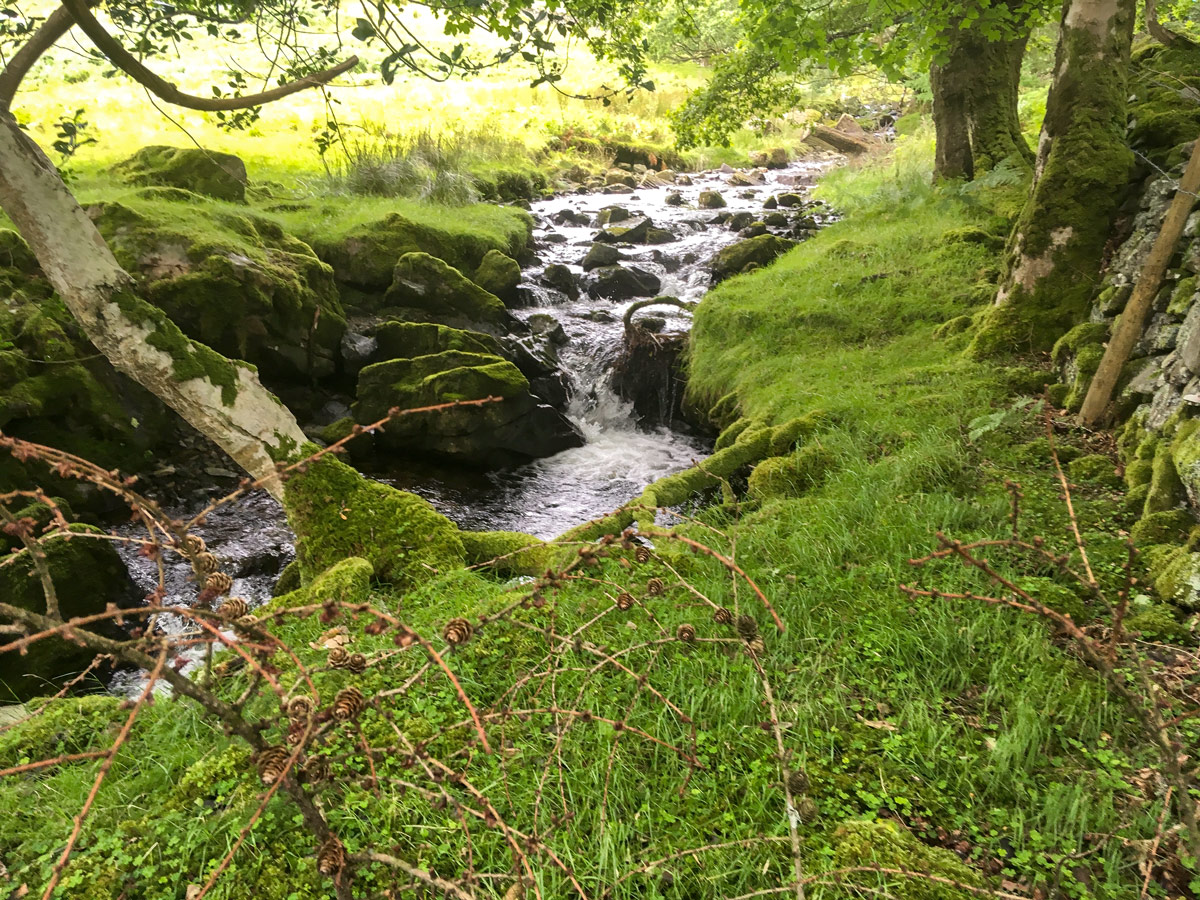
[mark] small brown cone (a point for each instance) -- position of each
(655, 587)
(193, 544)
(246, 622)
(357, 663)
(348, 703)
(798, 782)
(338, 657)
(218, 582)
(331, 858)
(457, 631)
(271, 763)
(642, 554)
(233, 608)
(316, 768)
(685, 633)
(205, 563)
(625, 601)
(806, 809)
(757, 646)
(722, 616)
(747, 627)
(301, 707)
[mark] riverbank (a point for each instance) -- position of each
(943, 736)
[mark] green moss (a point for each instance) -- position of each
(785, 437)
(1058, 597)
(756, 251)
(219, 175)
(339, 514)
(954, 326)
(791, 476)
(289, 580)
(1159, 622)
(346, 581)
(1167, 527)
(1025, 380)
(507, 552)
(1095, 469)
(886, 844)
(438, 378)
(63, 726)
(409, 339)
(1158, 121)
(1183, 295)
(426, 283)
(1139, 472)
(730, 434)
(1166, 490)
(1135, 498)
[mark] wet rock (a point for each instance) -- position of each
(545, 325)
(617, 283)
(357, 351)
(674, 199)
(746, 179)
(775, 220)
(670, 264)
(405, 340)
(610, 215)
(619, 177)
(510, 432)
(754, 229)
(208, 172)
(601, 255)
(598, 315)
(795, 180)
(660, 236)
(570, 217)
(561, 279)
(629, 232)
(500, 274)
(684, 180)
(789, 200)
(438, 292)
(771, 203)
(537, 358)
(726, 169)
(738, 221)
(618, 189)
(710, 200)
(555, 238)
(740, 257)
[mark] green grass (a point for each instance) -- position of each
(961, 719)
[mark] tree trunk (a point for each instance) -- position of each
(975, 91)
(1081, 171)
(222, 399)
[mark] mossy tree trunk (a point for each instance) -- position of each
(975, 86)
(223, 400)
(1081, 171)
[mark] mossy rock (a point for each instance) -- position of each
(61, 726)
(711, 200)
(1135, 499)
(1167, 527)
(346, 581)
(756, 251)
(1185, 453)
(338, 514)
(365, 256)
(208, 172)
(1025, 380)
(886, 844)
(1139, 472)
(1096, 469)
(729, 435)
(790, 476)
(88, 575)
(1166, 490)
(440, 292)
(1159, 623)
(1159, 121)
(234, 282)
(507, 553)
(785, 437)
(1175, 572)
(499, 274)
(952, 327)
(514, 429)
(411, 339)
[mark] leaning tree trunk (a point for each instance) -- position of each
(975, 87)
(222, 399)
(1081, 171)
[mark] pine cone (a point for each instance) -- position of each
(642, 554)
(655, 586)
(457, 631)
(233, 608)
(685, 633)
(747, 627)
(300, 707)
(722, 616)
(295, 732)
(331, 858)
(316, 768)
(806, 809)
(271, 763)
(798, 783)
(205, 563)
(193, 544)
(625, 601)
(218, 582)
(245, 623)
(338, 657)
(357, 663)
(756, 646)
(348, 703)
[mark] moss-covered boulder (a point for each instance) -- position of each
(235, 282)
(507, 553)
(55, 389)
(888, 845)
(208, 172)
(514, 429)
(410, 339)
(1095, 469)
(346, 581)
(364, 256)
(427, 288)
(87, 573)
(711, 200)
(499, 274)
(1167, 527)
(754, 252)
(623, 283)
(1158, 122)
(338, 514)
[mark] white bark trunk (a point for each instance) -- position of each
(137, 341)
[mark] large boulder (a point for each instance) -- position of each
(429, 289)
(499, 274)
(87, 574)
(235, 282)
(752, 253)
(618, 283)
(513, 430)
(55, 389)
(208, 172)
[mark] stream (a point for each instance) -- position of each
(620, 456)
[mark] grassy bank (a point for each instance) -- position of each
(620, 744)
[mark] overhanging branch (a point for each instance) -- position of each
(160, 87)
(57, 24)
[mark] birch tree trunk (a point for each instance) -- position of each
(220, 398)
(1081, 172)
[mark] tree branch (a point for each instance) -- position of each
(160, 87)
(57, 24)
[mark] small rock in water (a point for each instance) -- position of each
(789, 200)
(610, 215)
(725, 169)
(674, 199)
(711, 200)
(601, 255)
(545, 325)
(771, 203)
(684, 180)
(616, 283)
(561, 278)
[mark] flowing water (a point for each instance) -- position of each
(619, 458)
